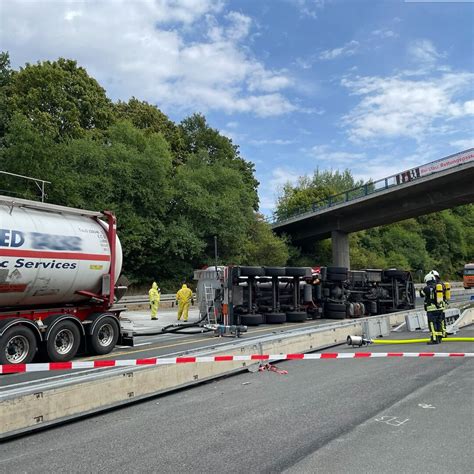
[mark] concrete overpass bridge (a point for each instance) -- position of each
(432, 187)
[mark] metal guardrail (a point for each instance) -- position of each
(143, 299)
(451, 161)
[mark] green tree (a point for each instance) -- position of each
(148, 117)
(263, 247)
(5, 81)
(59, 98)
(207, 143)
(310, 189)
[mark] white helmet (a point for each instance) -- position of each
(429, 277)
(435, 274)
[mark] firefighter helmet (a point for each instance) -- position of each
(435, 274)
(430, 277)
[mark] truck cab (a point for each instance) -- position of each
(468, 276)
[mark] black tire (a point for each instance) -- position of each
(275, 318)
(394, 273)
(252, 271)
(337, 270)
(335, 314)
(296, 316)
(104, 336)
(18, 346)
(335, 307)
(297, 271)
(336, 277)
(251, 319)
(63, 341)
(275, 271)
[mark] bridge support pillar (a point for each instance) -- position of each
(340, 249)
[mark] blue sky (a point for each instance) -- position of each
(373, 86)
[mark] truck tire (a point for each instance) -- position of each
(336, 276)
(275, 318)
(251, 319)
(275, 271)
(335, 314)
(296, 271)
(252, 271)
(343, 270)
(296, 316)
(17, 346)
(394, 273)
(63, 341)
(104, 336)
(335, 307)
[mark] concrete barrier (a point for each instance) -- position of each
(40, 409)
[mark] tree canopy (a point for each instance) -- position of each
(172, 186)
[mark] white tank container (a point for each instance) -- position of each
(47, 256)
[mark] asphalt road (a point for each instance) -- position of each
(147, 346)
(153, 346)
(329, 416)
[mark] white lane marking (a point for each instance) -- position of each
(135, 345)
(391, 420)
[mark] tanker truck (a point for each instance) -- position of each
(59, 268)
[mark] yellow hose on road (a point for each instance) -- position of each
(398, 341)
(415, 341)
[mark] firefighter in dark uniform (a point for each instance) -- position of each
(437, 295)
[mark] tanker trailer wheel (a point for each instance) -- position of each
(104, 336)
(17, 346)
(251, 319)
(296, 316)
(63, 341)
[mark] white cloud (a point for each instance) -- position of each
(424, 51)
(145, 48)
(267, 81)
(384, 33)
(240, 25)
(348, 49)
(335, 158)
(304, 63)
(463, 144)
(283, 175)
(400, 107)
(309, 8)
(272, 185)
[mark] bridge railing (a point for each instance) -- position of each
(371, 187)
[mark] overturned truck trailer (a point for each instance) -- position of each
(257, 295)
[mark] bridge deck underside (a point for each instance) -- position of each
(443, 191)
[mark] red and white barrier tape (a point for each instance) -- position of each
(99, 364)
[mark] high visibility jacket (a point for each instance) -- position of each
(435, 296)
